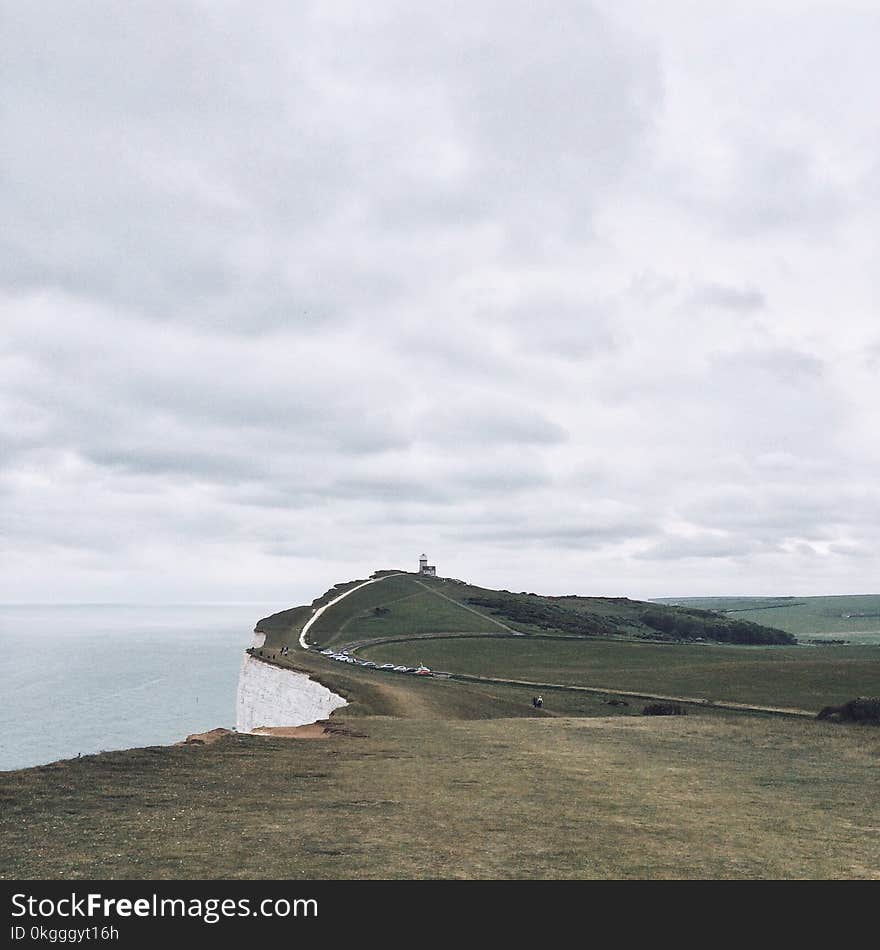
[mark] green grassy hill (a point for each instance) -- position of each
(585, 643)
(409, 604)
(855, 617)
(404, 604)
(796, 677)
(586, 787)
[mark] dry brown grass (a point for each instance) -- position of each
(689, 797)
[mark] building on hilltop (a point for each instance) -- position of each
(425, 567)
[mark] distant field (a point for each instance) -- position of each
(802, 677)
(649, 798)
(857, 615)
(411, 697)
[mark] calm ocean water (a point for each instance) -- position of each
(84, 678)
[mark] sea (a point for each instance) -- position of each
(75, 680)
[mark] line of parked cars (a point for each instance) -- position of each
(343, 656)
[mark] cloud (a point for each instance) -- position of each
(471, 421)
(679, 548)
(581, 296)
(743, 300)
(325, 166)
(776, 188)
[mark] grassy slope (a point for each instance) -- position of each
(389, 694)
(801, 677)
(597, 616)
(411, 608)
(529, 798)
(467, 780)
(802, 616)
(406, 604)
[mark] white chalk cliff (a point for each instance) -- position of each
(271, 696)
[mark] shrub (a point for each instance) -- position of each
(686, 624)
(664, 709)
(865, 709)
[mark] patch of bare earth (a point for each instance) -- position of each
(205, 738)
(314, 730)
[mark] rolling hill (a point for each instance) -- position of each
(747, 784)
(410, 604)
(582, 649)
(853, 617)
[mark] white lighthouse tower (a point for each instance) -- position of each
(426, 568)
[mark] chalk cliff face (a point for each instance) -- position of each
(271, 696)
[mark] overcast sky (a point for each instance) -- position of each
(575, 297)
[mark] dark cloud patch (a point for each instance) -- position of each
(789, 367)
(551, 325)
(780, 188)
(872, 356)
(314, 169)
(583, 535)
(469, 422)
(738, 299)
(787, 509)
(679, 548)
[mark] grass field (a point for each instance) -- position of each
(464, 779)
(409, 697)
(503, 798)
(410, 604)
(800, 677)
(396, 606)
(852, 617)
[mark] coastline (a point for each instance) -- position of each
(270, 700)
(271, 696)
(80, 679)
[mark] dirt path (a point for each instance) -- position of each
(593, 690)
(604, 690)
(302, 634)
